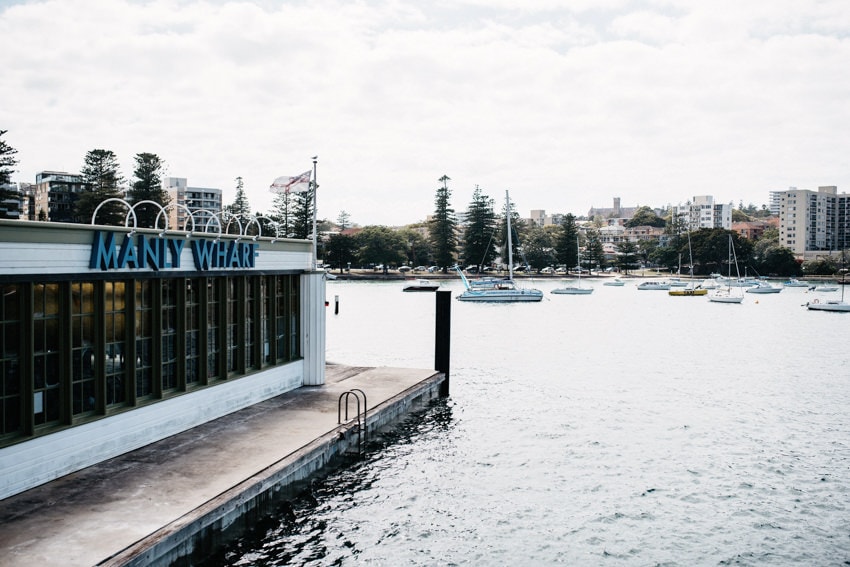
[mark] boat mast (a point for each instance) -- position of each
(510, 241)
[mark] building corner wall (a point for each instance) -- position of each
(313, 321)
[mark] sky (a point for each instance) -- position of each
(566, 104)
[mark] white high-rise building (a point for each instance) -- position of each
(814, 221)
(702, 212)
(202, 203)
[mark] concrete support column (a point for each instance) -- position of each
(313, 327)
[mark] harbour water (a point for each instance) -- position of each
(624, 427)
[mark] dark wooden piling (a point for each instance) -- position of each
(442, 339)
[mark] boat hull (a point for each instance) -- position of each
(687, 292)
(726, 299)
(501, 295)
(834, 306)
(573, 291)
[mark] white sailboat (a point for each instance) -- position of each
(835, 305)
(726, 295)
(575, 289)
(503, 291)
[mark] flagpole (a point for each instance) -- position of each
(315, 186)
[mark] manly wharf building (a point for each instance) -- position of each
(112, 338)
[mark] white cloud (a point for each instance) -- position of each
(567, 105)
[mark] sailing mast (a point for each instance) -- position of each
(510, 241)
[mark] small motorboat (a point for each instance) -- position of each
(422, 285)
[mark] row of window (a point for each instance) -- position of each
(75, 351)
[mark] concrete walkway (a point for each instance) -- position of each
(111, 510)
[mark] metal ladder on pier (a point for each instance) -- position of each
(361, 426)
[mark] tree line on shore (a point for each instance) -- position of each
(475, 237)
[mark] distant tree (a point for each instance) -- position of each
(645, 216)
(566, 245)
(539, 248)
(380, 245)
(646, 249)
(281, 214)
(769, 257)
(739, 216)
(627, 256)
(418, 249)
(594, 251)
(302, 212)
(343, 221)
(240, 206)
(479, 246)
(7, 163)
(101, 174)
(442, 227)
(340, 250)
(148, 187)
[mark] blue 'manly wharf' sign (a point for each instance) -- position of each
(161, 252)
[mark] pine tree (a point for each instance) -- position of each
(343, 220)
(442, 227)
(100, 171)
(7, 164)
(240, 208)
(566, 249)
(282, 215)
(148, 187)
(302, 212)
(479, 245)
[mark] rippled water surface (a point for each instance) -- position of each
(621, 428)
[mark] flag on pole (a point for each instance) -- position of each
(296, 184)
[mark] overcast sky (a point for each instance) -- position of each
(567, 104)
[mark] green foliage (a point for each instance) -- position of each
(378, 244)
(442, 227)
(282, 214)
(240, 207)
(645, 216)
(627, 256)
(594, 251)
(479, 246)
(566, 250)
(148, 187)
(302, 212)
(539, 249)
(340, 250)
(343, 221)
(7, 164)
(101, 173)
(418, 250)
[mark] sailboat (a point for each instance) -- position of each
(835, 305)
(725, 295)
(501, 291)
(690, 290)
(576, 289)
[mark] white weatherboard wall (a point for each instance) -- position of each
(43, 459)
(313, 335)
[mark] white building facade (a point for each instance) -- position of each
(702, 212)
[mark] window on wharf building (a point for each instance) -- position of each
(250, 338)
(168, 302)
(233, 322)
(115, 319)
(266, 318)
(294, 318)
(83, 377)
(47, 344)
(213, 323)
(193, 330)
(11, 334)
(281, 304)
(144, 338)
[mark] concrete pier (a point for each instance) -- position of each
(170, 500)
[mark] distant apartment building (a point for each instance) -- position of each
(201, 202)
(55, 196)
(814, 221)
(775, 202)
(702, 212)
(15, 201)
(538, 217)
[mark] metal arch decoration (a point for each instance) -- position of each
(189, 212)
(218, 222)
(130, 212)
(230, 216)
(254, 220)
(276, 226)
(161, 212)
